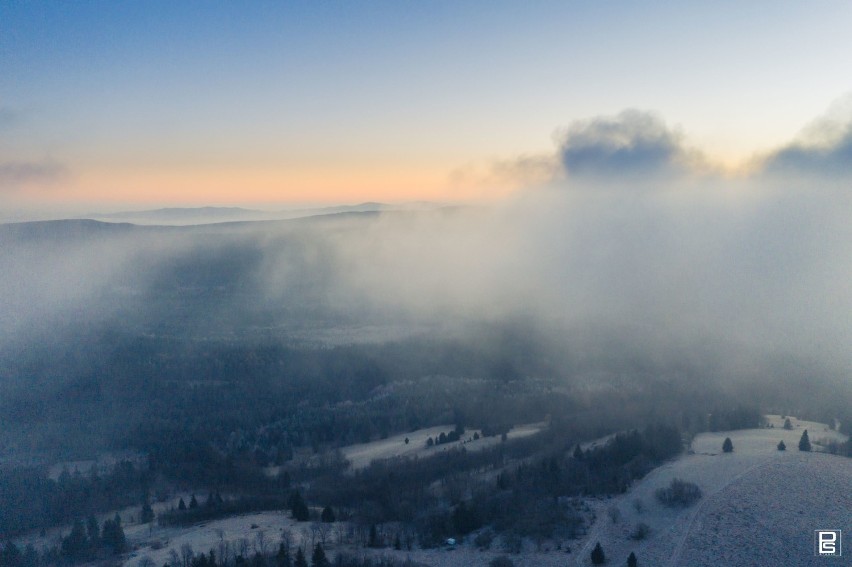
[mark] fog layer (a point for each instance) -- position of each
(635, 239)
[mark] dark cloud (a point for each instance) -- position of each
(17, 174)
(633, 143)
(832, 159)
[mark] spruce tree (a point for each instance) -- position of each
(300, 559)
(374, 537)
(728, 446)
(181, 505)
(598, 557)
(113, 536)
(318, 559)
(804, 442)
(193, 502)
(30, 558)
(93, 531)
(75, 546)
(298, 507)
(282, 558)
(147, 514)
(631, 560)
(782, 446)
(11, 555)
(327, 515)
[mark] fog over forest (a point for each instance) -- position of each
(637, 275)
(635, 236)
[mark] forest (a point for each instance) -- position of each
(251, 403)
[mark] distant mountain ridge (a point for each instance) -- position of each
(206, 215)
(65, 229)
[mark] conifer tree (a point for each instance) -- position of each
(193, 502)
(93, 531)
(298, 507)
(147, 514)
(631, 560)
(728, 446)
(318, 559)
(181, 505)
(75, 546)
(11, 555)
(327, 515)
(282, 558)
(374, 537)
(782, 446)
(113, 536)
(30, 558)
(804, 442)
(300, 559)
(598, 557)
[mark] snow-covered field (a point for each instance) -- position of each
(363, 454)
(760, 506)
(246, 533)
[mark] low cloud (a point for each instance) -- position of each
(527, 170)
(632, 144)
(823, 149)
(833, 159)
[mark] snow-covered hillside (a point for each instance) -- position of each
(362, 454)
(760, 506)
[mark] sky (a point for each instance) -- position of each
(113, 105)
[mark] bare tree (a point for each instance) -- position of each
(260, 542)
(186, 555)
(227, 552)
(324, 531)
(244, 547)
(340, 532)
(223, 549)
(363, 534)
(408, 538)
(314, 529)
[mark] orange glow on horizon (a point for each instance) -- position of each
(224, 186)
